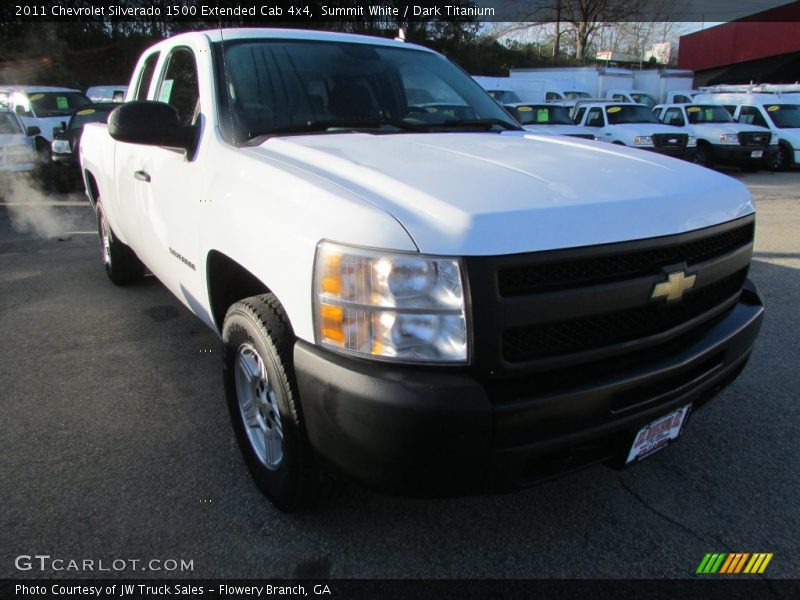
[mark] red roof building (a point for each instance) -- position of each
(761, 48)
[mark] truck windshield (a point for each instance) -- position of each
(56, 104)
(620, 114)
(541, 114)
(785, 116)
(505, 96)
(705, 113)
(641, 98)
(279, 87)
(8, 124)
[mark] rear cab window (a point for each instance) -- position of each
(146, 76)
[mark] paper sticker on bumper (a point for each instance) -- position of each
(656, 435)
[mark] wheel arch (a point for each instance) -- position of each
(787, 147)
(92, 190)
(228, 282)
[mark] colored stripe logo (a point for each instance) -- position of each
(731, 563)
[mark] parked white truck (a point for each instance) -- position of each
(44, 108)
(427, 301)
(627, 124)
(778, 112)
(720, 140)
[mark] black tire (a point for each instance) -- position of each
(704, 155)
(43, 152)
(782, 159)
(259, 324)
(122, 265)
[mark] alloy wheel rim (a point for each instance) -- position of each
(105, 242)
(258, 407)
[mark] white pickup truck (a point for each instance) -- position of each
(627, 124)
(425, 299)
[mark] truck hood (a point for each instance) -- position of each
(46, 124)
(484, 193)
(557, 129)
(14, 139)
(649, 128)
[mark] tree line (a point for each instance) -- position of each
(96, 51)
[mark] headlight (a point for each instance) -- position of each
(61, 147)
(729, 138)
(691, 142)
(773, 139)
(402, 307)
(643, 140)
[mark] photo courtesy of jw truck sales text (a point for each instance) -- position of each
(381, 266)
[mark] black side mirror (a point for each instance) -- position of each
(32, 131)
(150, 124)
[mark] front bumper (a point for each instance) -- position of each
(743, 155)
(420, 431)
(673, 151)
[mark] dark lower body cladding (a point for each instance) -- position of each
(432, 432)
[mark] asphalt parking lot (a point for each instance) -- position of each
(116, 444)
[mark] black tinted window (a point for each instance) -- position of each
(750, 115)
(595, 118)
(277, 85)
(56, 104)
(146, 77)
(179, 87)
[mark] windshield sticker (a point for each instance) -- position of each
(542, 115)
(773, 108)
(524, 109)
(86, 111)
(36, 97)
(693, 109)
(613, 109)
(166, 90)
(62, 103)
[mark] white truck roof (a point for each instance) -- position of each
(243, 33)
(34, 89)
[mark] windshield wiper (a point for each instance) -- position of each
(484, 124)
(336, 126)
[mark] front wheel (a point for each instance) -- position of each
(703, 156)
(782, 159)
(120, 261)
(264, 403)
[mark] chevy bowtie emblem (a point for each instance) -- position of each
(673, 289)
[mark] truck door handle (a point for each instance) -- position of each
(142, 175)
